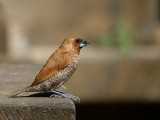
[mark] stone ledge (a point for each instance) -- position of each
(36, 109)
(33, 107)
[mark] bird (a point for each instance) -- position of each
(58, 69)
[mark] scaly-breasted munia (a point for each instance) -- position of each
(58, 69)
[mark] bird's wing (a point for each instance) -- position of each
(58, 60)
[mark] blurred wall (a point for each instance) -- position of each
(3, 39)
(34, 27)
(47, 22)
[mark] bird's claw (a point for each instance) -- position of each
(75, 98)
(56, 96)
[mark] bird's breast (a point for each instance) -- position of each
(63, 75)
(67, 71)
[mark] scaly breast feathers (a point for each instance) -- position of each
(60, 77)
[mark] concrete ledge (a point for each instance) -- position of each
(33, 107)
(36, 109)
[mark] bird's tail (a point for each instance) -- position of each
(14, 94)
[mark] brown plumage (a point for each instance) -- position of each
(59, 67)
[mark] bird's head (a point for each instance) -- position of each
(74, 43)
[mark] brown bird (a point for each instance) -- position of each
(58, 69)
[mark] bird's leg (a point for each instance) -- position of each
(63, 95)
(56, 94)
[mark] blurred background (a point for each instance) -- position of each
(119, 73)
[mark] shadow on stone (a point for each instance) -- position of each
(47, 94)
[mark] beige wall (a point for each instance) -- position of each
(48, 22)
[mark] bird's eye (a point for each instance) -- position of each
(77, 41)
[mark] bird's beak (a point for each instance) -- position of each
(84, 43)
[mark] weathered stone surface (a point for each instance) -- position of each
(35, 107)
